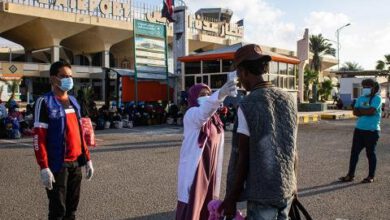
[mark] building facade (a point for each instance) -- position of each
(93, 35)
(89, 34)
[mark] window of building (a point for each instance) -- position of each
(283, 68)
(217, 81)
(227, 65)
(206, 80)
(198, 79)
(273, 67)
(291, 69)
(192, 67)
(189, 81)
(356, 90)
(291, 82)
(273, 78)
(213, 66)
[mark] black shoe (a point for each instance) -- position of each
(346, 178)
(368, 180)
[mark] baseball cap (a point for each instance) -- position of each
(249, 52)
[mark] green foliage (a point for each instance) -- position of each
(14, 84)
(383, 64)
(325, 90)
(1, 90)
(319, 46)
(310, 77)
(351, 66)
(85, 98)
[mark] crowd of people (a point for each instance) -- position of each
(143, 114)
(13, 122)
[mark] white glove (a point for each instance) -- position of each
(47, 178)
(89, 170)
(229, 89)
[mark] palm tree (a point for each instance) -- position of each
(351, 66)
(326, 89)
(310, 77)
(382, 64)
(1, 90)
(319, 46)
(14, 84)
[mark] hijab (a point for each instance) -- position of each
(205, 131)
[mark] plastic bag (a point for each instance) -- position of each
(88, 132)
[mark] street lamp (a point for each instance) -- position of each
(338, 44)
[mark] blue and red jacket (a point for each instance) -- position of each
(49, 133)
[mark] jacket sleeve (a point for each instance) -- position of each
(40, 132)
(200, 115)
(87, 154)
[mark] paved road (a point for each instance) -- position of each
(136, 175)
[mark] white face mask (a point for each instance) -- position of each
(202, 100)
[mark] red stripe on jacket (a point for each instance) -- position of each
(40, 147)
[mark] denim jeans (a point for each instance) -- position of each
(363, 139)
(258, 211)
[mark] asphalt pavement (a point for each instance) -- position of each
(135, 175)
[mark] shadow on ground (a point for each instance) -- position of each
(157, 216)
(325, 188)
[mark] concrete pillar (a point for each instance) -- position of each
(29, 84)
(106, 59)
(301, 83)
(55, 54)
(105, 63)
(180, 46)
(303, 51)
(28, 56)
(76, 60)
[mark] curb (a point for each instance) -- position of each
(337, 116)
(308, 119)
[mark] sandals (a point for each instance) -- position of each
(368, 180)
(346, 178)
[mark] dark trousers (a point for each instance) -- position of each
(363, 139)
(65, 195)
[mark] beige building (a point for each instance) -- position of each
(91, 34)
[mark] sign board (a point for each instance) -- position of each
(150, 50)
(11, 70)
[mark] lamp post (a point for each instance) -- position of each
(338, 44)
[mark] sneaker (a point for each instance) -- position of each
(368, 180)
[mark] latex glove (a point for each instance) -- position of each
(47, 178)
(89, 170)
(228, 89)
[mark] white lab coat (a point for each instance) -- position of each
(191, 153)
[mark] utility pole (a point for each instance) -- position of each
(338, 44)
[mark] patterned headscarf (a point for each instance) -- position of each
(193, 94)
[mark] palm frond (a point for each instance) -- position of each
(380, 65)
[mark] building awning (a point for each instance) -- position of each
(362, 73)
(227, 53)
(131, 73)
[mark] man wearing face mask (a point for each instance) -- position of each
(59, 145)
(368, 110)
